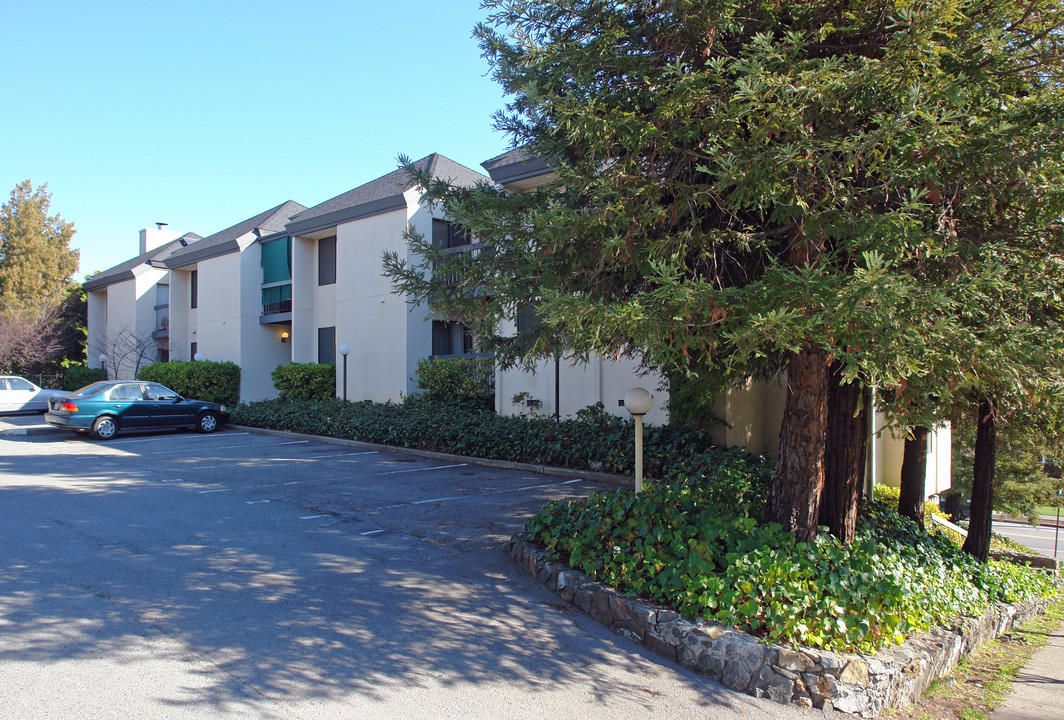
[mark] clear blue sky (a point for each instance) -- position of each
(201, 114)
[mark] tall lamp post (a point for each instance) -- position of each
(345, 350)
(103, 365)
(637, 401)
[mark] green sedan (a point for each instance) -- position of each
(106, 408)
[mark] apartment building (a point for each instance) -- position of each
(128, 306)
(216, 301)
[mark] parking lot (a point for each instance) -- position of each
(245, 575)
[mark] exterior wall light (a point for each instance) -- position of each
(637, 401)
(284, 336)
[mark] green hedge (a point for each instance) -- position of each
(595, 440)
(78, 376)
(204, 380)
(305, 381)
(457, 378)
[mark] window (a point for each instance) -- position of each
(192, 354)
(528, 319)
(441, 338)
(164, 355)
(327, 261)
(193, 291)
(326, 345)
(451, 338)
(162, 306)
(17, 383)
(448, 235)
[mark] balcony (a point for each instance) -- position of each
(468, 253)
(276, 303)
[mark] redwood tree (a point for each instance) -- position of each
(742, 184)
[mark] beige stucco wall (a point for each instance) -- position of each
(368, 317)
(754, 414)
(579, 385)
(121, 317)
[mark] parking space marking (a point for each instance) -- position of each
(412, 470)
(204, 492)
(371, 532)
(496, 492)
(479, 494)
(292, 442)
(256, 502)
(313, 517)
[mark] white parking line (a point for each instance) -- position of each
(256, 502)
(204, 492)
(396, 472)
(156, 439)
(371, 532)
(495, 492)
(313, 517)
(339, 455)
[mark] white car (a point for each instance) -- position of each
(18, 394)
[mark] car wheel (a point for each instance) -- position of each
(104, 427)
(207, 422)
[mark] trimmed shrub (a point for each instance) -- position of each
(457, 378)
(595, 441)
(203, 380)
(305, 381)
(78, 376)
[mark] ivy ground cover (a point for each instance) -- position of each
(695, 543)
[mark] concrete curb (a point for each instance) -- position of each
(552, 471)
(22, 432)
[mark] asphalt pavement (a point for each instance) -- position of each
(240, 575)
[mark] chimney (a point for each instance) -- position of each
(151, 238)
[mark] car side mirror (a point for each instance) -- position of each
(178, 399)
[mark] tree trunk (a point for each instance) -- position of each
(844, 457)
(914, 475)
(794, 499)
(978, 542)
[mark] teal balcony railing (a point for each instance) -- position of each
(277, 299)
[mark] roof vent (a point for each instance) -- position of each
(161, 225)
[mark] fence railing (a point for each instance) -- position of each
(277, 299)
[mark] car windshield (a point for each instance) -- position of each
(89, 390)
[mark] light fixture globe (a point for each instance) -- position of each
(199, 357)
(345, 349)
(637, 401)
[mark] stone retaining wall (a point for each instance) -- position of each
(863, 685)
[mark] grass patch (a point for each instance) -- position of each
(982, 681)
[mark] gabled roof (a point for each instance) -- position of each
(154, 258)
(225, 241)
(514, 165)
(382, 195)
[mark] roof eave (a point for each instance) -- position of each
(346, 215)
(99, 283)
(195, 254)
(515, 172)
